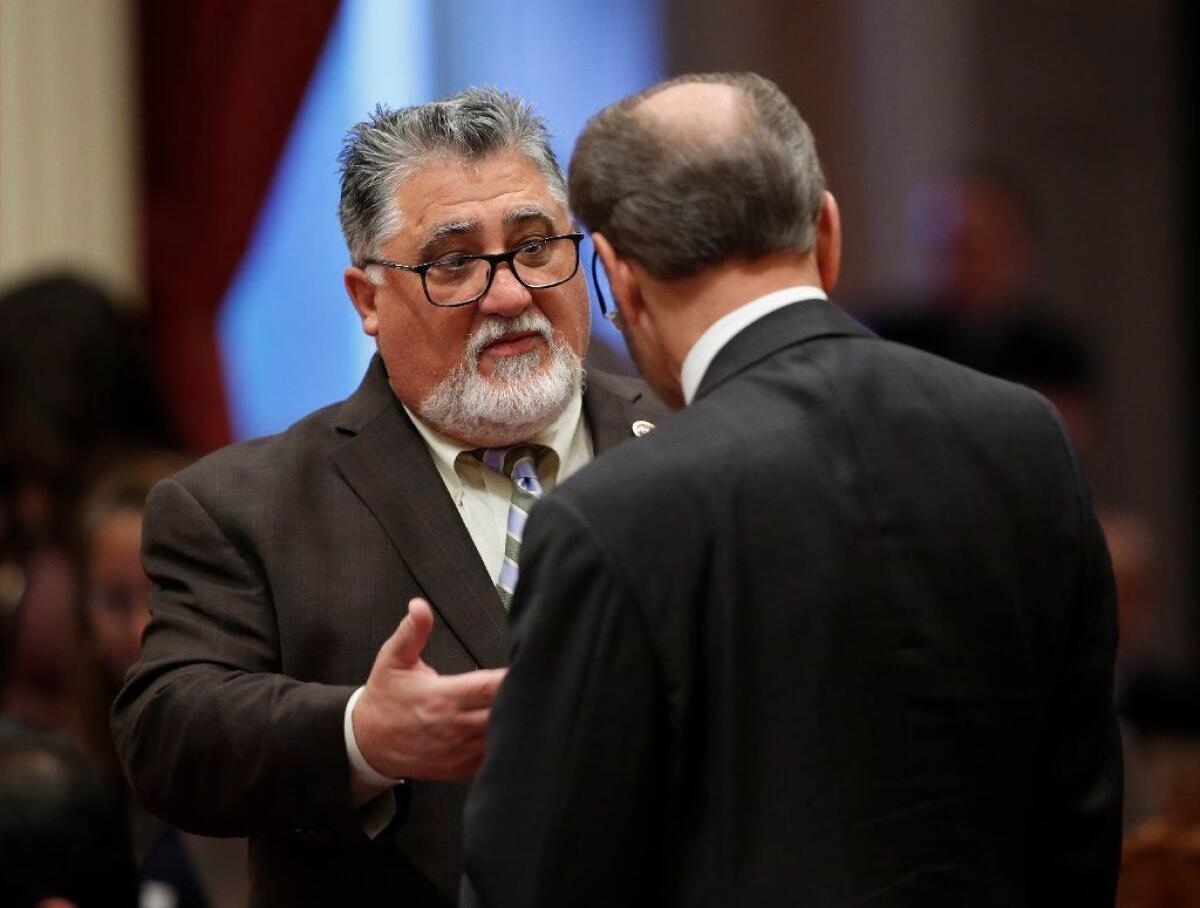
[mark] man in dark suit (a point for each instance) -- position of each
(281, 566)
(841, 632)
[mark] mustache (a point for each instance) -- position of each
(495, 327)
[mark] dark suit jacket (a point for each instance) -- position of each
(840, 633)
(280, 566)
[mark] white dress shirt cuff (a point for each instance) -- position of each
(375, 811)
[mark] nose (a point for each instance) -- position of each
(507, 296)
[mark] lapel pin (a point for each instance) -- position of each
(642, 427)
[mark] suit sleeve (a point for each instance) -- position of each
(565, 807)
(1078, 810)
(212, 736)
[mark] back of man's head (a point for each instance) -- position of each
(63, 834)
(699, 170)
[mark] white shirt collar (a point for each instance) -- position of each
(557, 437)
(728, 326)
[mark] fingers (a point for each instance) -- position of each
(474, 723)
(473, 690)
(406, 644)
(423, 725)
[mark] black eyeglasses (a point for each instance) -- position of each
(460, 280)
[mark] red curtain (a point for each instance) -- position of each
(222, 81)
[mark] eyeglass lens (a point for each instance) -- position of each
(536, 264)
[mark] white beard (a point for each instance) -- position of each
(520, 400)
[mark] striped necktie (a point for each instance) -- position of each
(518, 463)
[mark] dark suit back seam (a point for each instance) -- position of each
(628, 588)
(860, 479)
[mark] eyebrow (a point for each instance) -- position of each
(527, 213)
(443, 232)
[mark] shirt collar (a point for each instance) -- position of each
(728, 326)
(557, 437)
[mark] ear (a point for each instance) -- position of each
(361, 290)
(622, 280)
(829, 242)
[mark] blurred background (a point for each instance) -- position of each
(1016, 193)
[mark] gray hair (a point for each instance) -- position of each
(677, 204)
(379, 153)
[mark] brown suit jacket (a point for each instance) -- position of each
(280, 566)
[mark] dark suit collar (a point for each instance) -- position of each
(387, 464)
(784, 327)
(372, 396)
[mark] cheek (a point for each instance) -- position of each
(420, 350)
(572, 315)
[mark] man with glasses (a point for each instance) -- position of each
(842, 631)
(283, 566)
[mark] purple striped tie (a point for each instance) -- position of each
(518, 463)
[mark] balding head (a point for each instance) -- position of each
(699, 170)
(696, 112)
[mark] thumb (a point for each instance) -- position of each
(409, 640)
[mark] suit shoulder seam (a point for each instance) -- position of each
(610, 560)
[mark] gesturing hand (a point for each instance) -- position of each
(411, 722)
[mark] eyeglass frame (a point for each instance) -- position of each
(615, 314)
(493, 259)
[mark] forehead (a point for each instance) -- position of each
(456, 191)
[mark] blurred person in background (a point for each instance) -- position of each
(974, 234)
(64, 834)
(978, 304)
(75, 386)
(282, 567)
(195, 872)
(114, 588)
(1160, 863)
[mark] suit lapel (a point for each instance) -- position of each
(386, 463)
(782, 328)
